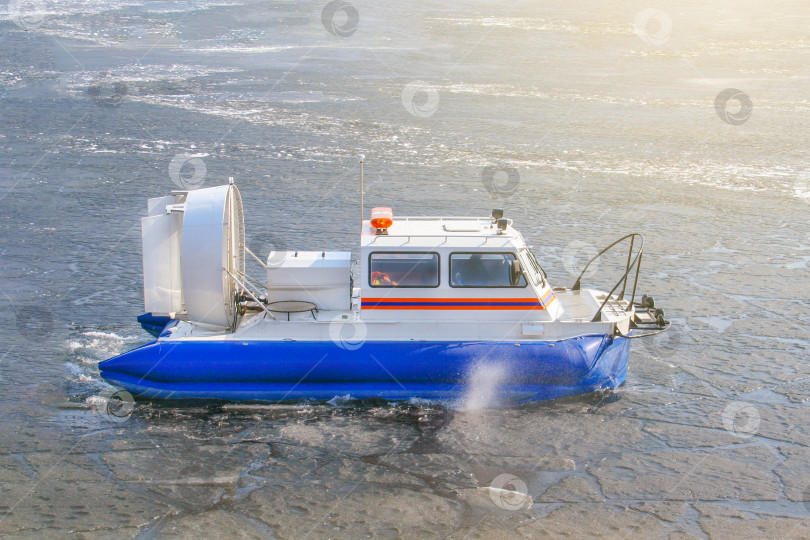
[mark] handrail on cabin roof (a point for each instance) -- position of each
(485, 237)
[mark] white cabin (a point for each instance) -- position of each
(451, 268)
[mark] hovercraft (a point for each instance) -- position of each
(430, 303)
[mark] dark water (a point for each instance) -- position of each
(608, 130)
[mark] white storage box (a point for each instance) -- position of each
(320, 277)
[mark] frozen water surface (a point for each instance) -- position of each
(607, 111)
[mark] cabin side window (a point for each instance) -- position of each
(482, 270)
(403, 269)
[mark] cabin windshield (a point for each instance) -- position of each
(536, 270)
(482, 270)
(404, 270)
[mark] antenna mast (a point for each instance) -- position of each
(362, 157)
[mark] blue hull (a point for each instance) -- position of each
(287, 370)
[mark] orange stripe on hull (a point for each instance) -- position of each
(458, 307)
(395, 299)
(459, 303)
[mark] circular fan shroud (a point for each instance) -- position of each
(213, 239)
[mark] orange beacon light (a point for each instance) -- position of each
(381, 217)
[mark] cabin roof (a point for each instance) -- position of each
(462, 232)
